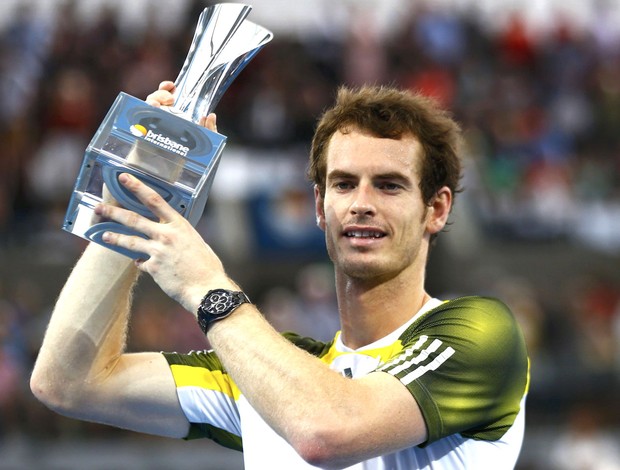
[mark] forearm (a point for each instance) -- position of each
(296, 394)
(87, 330)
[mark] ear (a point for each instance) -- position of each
(439, 210)
(319, 208)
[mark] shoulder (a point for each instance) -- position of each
(474, 318)
(474, 307)
(474, 336)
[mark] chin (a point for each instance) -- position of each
(364, 271)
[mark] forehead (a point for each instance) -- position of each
(356, 151)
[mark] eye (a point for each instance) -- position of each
(342, 185)
(389, 186)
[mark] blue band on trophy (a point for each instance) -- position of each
(127, 199)
(95, 234)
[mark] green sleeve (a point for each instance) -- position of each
(466, 364)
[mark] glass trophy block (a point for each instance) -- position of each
(172, 155)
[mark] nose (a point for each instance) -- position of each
(362, 203)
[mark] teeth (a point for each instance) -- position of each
(364, 234)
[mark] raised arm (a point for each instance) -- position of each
(82, 370)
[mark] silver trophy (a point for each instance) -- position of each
(166, 147)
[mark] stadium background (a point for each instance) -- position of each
(536, 86)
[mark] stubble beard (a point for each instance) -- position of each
(365, 267)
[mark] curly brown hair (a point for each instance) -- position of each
(391, 113)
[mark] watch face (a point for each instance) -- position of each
(220, 301)
(218, 304)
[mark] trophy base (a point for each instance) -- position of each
(173, 156)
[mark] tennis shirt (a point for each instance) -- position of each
(464, 361)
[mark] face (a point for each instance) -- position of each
(376, 224)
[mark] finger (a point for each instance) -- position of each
(150, 198)
(160, 98)
(130, 242)
(128, 219)
(210, 122)
(167, 85)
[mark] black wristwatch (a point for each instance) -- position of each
(218, 304)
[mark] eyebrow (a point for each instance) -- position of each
(393, 176)
(339, 174)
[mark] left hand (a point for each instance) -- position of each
(180, 262)
(164, 96)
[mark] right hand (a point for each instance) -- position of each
(179, 260)
(164, 96)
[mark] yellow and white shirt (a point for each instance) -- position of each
(464, 361)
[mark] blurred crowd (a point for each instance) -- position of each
(541, 115)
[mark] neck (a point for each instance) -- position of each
(371, 309)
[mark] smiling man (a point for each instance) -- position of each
(409, 382)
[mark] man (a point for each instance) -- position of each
(410, 382)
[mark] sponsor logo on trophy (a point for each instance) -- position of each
(166, 148)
